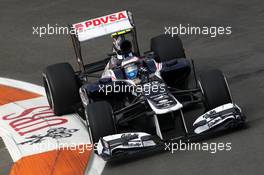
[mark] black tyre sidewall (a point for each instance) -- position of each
(61, 87)
(100, 120)
(215, 89)
(167, 48)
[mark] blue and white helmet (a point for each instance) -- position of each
(131, 71)
(130, 67)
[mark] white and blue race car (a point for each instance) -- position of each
(133, 102)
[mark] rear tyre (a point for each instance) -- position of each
(100, 120)
(61, 88)
(215, 89)
(167, 48)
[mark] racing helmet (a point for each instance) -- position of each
(131, 71)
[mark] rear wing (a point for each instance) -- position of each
(104, 25)
(97, 27)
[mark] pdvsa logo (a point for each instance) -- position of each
(100, 21)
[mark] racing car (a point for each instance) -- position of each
(134, 102)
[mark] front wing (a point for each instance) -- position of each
(124, 144)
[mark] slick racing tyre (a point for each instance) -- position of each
(100, 121)
(61, 88)
(167, 48)
(215, 89)
(169, 51)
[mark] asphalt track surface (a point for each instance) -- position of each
(239, 55)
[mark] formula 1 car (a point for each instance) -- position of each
(137, 102)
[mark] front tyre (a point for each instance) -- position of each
(61, 88)
(215, 89)
(99, 116)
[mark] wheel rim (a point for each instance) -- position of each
(204, 97)
(228, 89)
(48, 92)
(88, 127)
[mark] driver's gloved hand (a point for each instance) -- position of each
(143, 70)
(143, 73)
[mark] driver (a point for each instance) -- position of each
(124, 57)
(133, 70)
